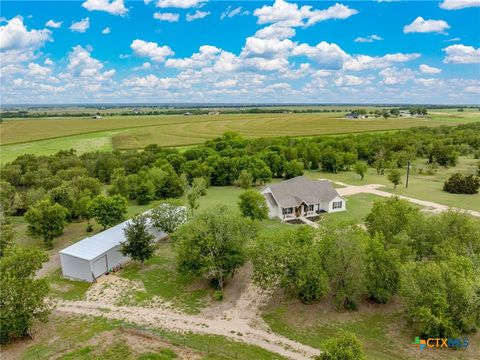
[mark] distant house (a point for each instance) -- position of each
(355, 116)
(405, 113)
(97, 116)
(302, 197)
(214, 113)
(187, 113)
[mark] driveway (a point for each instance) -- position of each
(374, 189)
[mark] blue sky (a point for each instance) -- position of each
(240, 51)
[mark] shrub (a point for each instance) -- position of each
(344, 347)
(218, 295)
(462, 184)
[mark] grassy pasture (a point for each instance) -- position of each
(380, 328)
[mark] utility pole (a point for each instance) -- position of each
(408, 174)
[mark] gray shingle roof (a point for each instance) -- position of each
(294, 192)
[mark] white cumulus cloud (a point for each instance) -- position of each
(289, 14)
(197, 15)
(170, 17)
(429, 69)
(54, 24)
(38, 70)
(15, 36)
(420, 25)
(368, 39)
(326, 55)
(459, 4)
(181, 4)
(151, 50)
(106, 31)
(80, 26)
(461, 54)
(114, 7)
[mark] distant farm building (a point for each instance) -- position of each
(97, 116)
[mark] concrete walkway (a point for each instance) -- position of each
(373, 189)
(309, 222)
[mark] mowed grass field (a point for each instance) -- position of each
(424, 187)
(48, 135)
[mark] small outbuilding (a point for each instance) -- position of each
(94, 256)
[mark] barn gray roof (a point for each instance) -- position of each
(301, 189)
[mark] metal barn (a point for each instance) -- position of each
(94, 256)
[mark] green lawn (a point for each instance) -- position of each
(66, 289)
(358, 207)
(160, 278)
(424, 187)
(220, 195)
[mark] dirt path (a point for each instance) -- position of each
(52, 264)
(231, 327)
(373, 189)
(238, 317)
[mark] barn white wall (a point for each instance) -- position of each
(75, 268)
(115, 257)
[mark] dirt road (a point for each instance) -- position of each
(240, 322)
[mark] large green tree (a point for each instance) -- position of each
(382, 270)
(7, 233)
(395, 177)
(292, 261)
(252, 204)
(22, 296)
(344, 261)
(360, 169)
(139, 244)
(212, 245)
(108, 210)
(441, 297)
(390, 217)
(46, 220)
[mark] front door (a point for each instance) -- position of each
(298, 211)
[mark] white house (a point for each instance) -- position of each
(302, 197)
(94, 256)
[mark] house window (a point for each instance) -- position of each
(310, 207)
(337, 204)
(289, 210)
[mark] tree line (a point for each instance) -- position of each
(68, 186)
